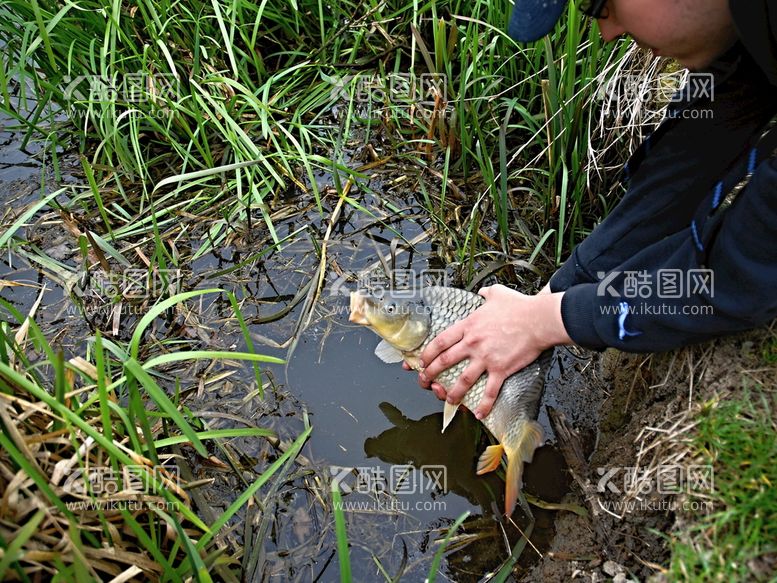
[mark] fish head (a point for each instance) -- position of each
(403, 321)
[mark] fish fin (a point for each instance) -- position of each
(490, 459)
(519, 450)
(388, 353)
(447, 414)
(393, 414)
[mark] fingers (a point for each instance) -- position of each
(442, 342)
(439, 391)
(468, 377)
(493, 384)
(444, 360)
(406, 366)
(489, 290)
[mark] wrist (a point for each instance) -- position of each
(550, 327)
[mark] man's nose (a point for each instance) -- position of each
(610, 28)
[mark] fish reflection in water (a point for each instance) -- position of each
(420, 443)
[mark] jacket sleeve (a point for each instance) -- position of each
(661, 298)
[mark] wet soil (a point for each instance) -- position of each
(649, 401)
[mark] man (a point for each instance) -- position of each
(682, 219)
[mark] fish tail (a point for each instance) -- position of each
(519, 449)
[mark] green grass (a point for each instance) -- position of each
(341, 534)
(105, 411)
(181, 108)
(737, 541)
(437, 558)
(343, 553)
(769, 351)
(194, 120)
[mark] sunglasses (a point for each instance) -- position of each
(593, 8)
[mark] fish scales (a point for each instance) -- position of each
(448, 306)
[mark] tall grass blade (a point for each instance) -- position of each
(437, 559)
(341, 534)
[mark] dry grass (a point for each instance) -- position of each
(695, 452)
(66, 509)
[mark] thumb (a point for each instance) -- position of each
(485, 291)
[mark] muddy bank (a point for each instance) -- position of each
(649, 404)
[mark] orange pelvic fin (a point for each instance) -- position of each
(489, 459)
(519, 450)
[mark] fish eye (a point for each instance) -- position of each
(391, 308)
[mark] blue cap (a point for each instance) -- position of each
(533, 19)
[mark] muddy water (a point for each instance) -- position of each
(374, 431)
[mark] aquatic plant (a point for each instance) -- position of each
(182, 108)
(93, 477)
(197, 122)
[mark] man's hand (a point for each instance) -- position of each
(501, 337)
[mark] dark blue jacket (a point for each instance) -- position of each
(687, 255)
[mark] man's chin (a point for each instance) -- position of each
(694, 65)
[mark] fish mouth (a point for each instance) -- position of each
(358, 304)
